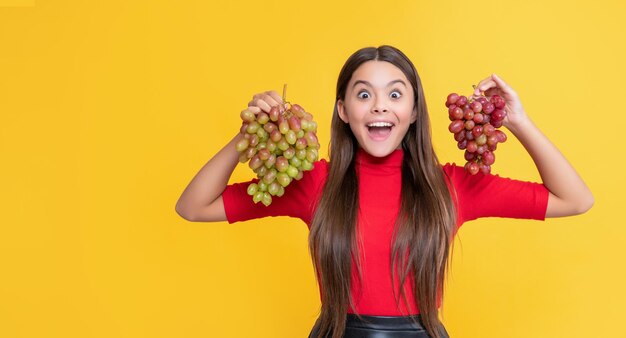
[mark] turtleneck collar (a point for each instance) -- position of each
(384, 165)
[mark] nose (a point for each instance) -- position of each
(379, 107)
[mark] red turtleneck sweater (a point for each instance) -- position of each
(379, 202)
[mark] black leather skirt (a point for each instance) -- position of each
(380, 327)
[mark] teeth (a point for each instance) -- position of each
(380, 124)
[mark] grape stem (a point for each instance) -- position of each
(285, 102)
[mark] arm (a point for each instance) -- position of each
(569, 195)
(202, 199)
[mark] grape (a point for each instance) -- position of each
(475, 123)
(488, 129)
(262, 118)
(294, 161)
(461, 101)
(283, 126)
(254, 140)
(281, 191)
(270, 176)
(247, 116)
(452, 98)
(472, 146)
(273, 188)
(477, 131)
(311, 140)
(476, 106)
(291, 137)
(488, 108)
(283, 144)
(257, 196)
(264, 154)
(468, 114)
(498, 101)
(455, 113)
(289, 153)
(271, 146)
(279, 146)
(269, 163)
(498, 115)
(301, 154)
(270, 127)
(306, 165)
(300, 175)
(283, 179)
(456, 126)
(294, 123)
(260, 171)
(301, 143)
(482, 139)
(255, 162)
(311, 155)
(252, 127)
(478, 118)
(472, 167)
(501, 136)
(274, 113)
(292, 171)
(242, 145)
(282, 164)
(485, 169)
(488, 158)
(460, 136)
(252, 189)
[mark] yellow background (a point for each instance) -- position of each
(108, 109)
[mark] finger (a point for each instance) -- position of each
(500, 82)
(491, 91)
(275, 96)
(484, 86)
(481, 82)
(503, 85)
(269, 100)
(261, 104)
(254, 109)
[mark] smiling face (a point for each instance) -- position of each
(379, 106)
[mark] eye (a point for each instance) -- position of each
(362, 92)
(398, 94)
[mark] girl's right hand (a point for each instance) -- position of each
(264, 102)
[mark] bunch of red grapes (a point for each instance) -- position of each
(475, 123)
(280, 146)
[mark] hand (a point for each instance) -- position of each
(515, 113)
(264, 102)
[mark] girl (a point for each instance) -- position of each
(383, 212)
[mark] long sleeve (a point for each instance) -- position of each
(490, 195)
(299, 200)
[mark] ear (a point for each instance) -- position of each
(414, 115)
(342, 111)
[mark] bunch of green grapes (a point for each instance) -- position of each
(280, 146)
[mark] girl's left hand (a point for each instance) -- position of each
(515, 113)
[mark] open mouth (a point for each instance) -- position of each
(379, 131)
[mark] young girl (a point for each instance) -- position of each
(383, 212)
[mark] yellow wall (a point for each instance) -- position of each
(108, 109)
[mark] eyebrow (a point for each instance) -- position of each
(369, 84)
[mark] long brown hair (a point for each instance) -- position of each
(425, 225)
